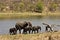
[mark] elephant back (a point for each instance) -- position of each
(21, 25)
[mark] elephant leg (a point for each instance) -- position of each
(40, 29)
(29, 31)
(51, 29)
(20, 31)
(37, 31)
(25, 32)
(46, 29)
(12, 33)
(32, 31)
(15, 32)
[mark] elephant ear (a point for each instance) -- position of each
(25, 24)
(29, 24)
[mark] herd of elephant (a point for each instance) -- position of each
(27, 27)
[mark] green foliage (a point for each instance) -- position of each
(21, 5)
(2, 6)
(54, 5)
(28, 5)
(39, 7)
(17, 7)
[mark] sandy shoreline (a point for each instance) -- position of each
(41, 36)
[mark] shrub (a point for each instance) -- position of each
(2, 6)
(53, 7)
(39, 7)
(21, 6)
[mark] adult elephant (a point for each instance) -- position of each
(21, 25)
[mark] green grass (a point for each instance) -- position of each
(18, 15)
(27, 15)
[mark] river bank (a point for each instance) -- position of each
(26, 15)
(40, 36)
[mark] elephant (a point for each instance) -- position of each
(29, 23)
(27, 29)
(36, 28)
(13, 31)
(21, 25)
(48, 26)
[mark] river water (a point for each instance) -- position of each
(6, 24)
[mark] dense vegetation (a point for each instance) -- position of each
(29, 5)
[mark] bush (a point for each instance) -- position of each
(21, 6)
(39, 7)
(18, 7)
(53, 7)
(2, 7)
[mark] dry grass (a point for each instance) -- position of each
(41, 36)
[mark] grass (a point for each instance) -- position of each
(39, 36)
(27, 15)
(17, 15)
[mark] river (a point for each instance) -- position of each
(6, 24)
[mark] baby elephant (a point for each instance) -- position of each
(36, 28)
(13, 31)
(27, 29)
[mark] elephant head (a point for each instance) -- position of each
(13, 31)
